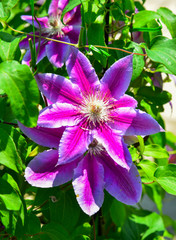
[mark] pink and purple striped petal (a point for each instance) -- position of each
(125, 101)
(58, 115)
(58, 89)
(117, 78)
(81, 71)
(122, 184)
(88, 184)
(73, 144)
(47, 137)
(41, 22)
(134, 122)
(57, 53)
(112, 141)
(43, 172)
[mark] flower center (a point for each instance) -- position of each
(55, 27)
(95, 109)
(95, 147)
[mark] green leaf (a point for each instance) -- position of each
(64, 209)
(97, 39)
(169, 19)
(20, 86)
(148, 168)
(156, 96)
(118, 213)
(138, 61)
(163, 50)
(143, 17)
(156, 226)
(154, 150)
(166, 177)
(33, 226)
(9, 4)
(156, 193)
(71, 4)
(54, 231)
(9, 196)
(12, 145)
(9, 47)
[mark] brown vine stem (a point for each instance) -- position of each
(148, 182)
(72, 44)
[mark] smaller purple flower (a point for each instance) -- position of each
(53, 27)
(91, 173)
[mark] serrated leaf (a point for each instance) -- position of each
(166, 177)
(163, 50)
(154, 150)
(9, 47)
(20, 86)
(169, 19)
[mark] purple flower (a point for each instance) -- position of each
(53, 27)
(91, 173)
(90, 108)
(93, 117)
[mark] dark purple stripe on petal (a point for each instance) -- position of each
(117, 78)
(81, 71)
(122, 184)
(114, 145)
(58, 115)
(47, 137)
(88, 184)
(134, 122)
(58, 89)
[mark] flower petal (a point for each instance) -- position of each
(25, 42)
(134, 122)
(117, 77)
(81, 71)
(114, 145)
(42, 21)
(57, 53)
(27, 57)
(73, 17)
(58, 115)
(58, 89)
(88, 184)
(74, 143)
(47, 137)
(125, 101)
(122, 184)
(43, 172)
(72, 32)
(53, 8)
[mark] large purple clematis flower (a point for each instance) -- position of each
(91, 173)
(53, 27)
(90, 108)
